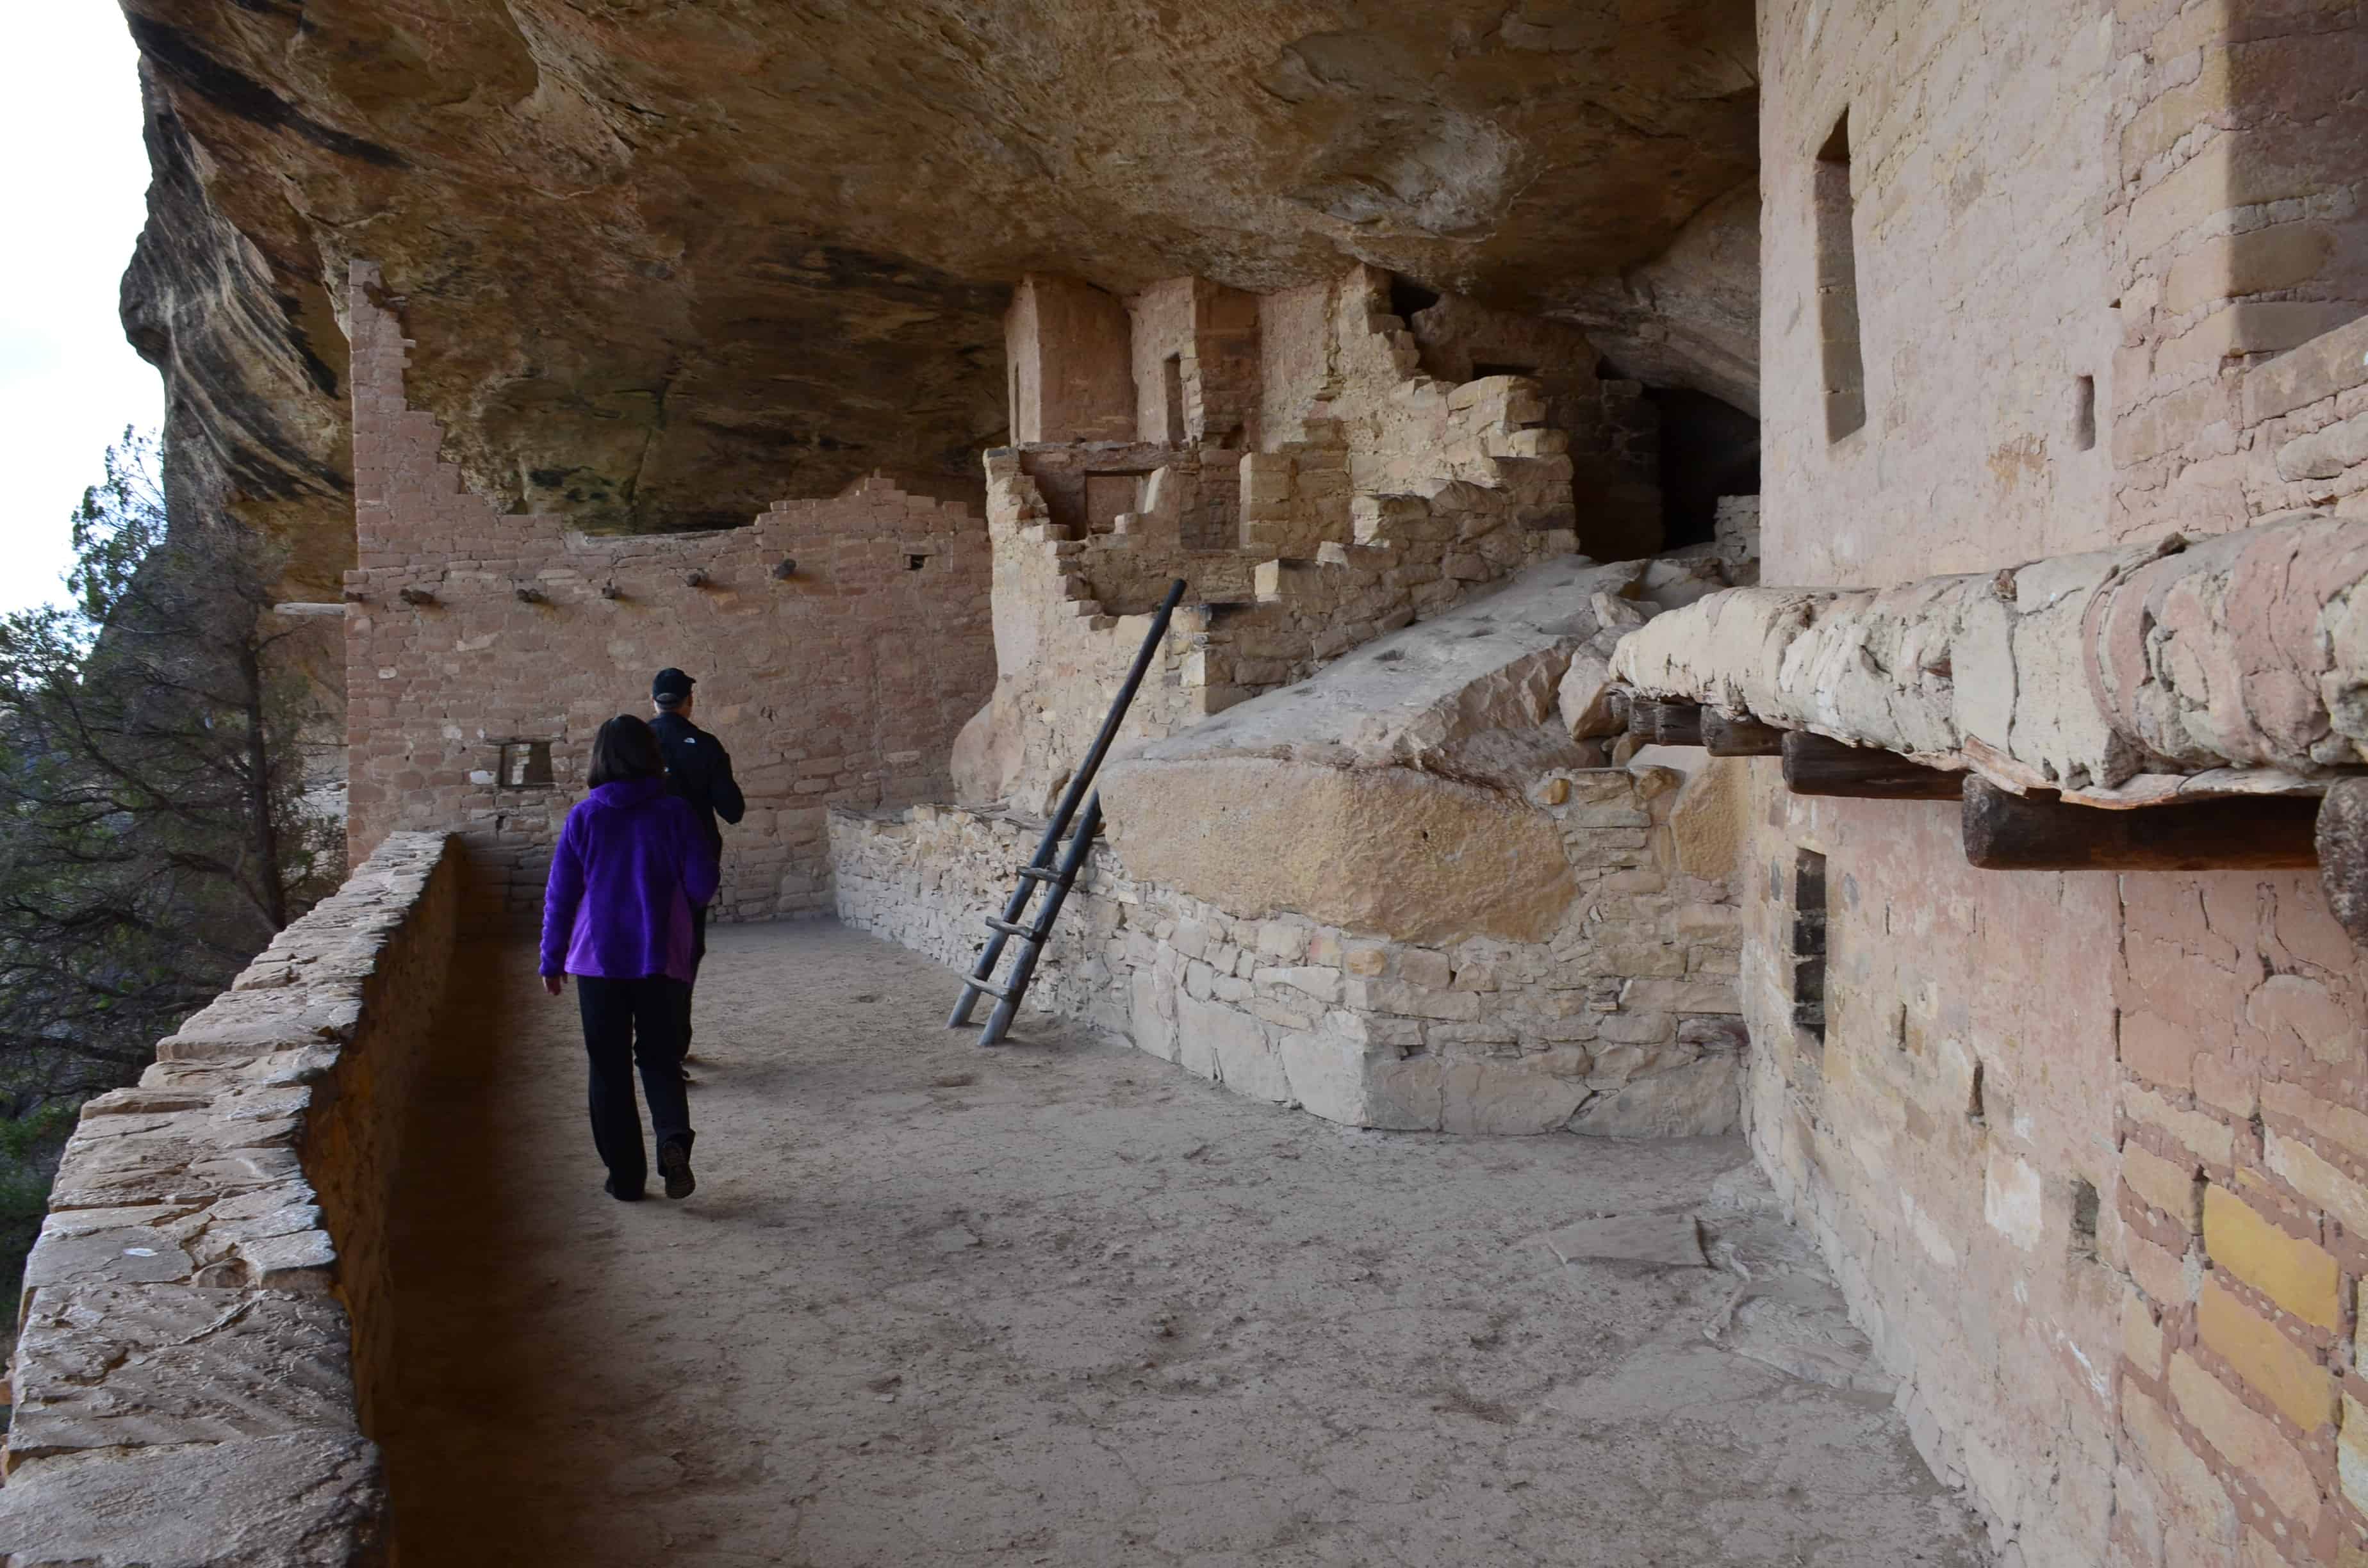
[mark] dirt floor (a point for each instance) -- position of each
(1061, 1304)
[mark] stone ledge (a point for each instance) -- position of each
(202, 1312)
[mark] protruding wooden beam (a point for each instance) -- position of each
(1665, 723)
(1723, 736)
(2007, 832)
(2342, 843)
(1816, 765)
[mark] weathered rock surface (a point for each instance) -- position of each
(203, 1316)
(690, 259)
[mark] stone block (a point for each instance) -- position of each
(2247, 1439)
(1237, 1045)
(1326, 1074)
(2197, 1500)
(2173, 1188)
(152, 1364)
(2285, 1373)
(2299, 1276)
(1700, 1100)
(2141, 1335)
(2319, 1181)
(304, 1500)
(1504, 1098)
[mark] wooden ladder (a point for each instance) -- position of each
(1052, 869)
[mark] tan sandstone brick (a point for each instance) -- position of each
(2173, 1188)
(2209, 1138)
(2142, 1338)
(2316, 1179)
(2290, 1377)
(2247, 1439)
(2299, 1276)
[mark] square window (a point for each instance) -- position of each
(526, 764)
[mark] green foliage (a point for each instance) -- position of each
(153, 828)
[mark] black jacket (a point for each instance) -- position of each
(700, 771)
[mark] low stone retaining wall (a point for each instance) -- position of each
(204, 1322)
(1623, 1024)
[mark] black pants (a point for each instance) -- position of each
(697, 951)
(625, 1021)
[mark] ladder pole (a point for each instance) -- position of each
(1081, 842)
(1079, 782)
(1083, 779)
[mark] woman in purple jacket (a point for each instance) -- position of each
(632, 862)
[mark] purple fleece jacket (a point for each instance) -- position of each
(630, 862)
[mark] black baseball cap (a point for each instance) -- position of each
(670, 685)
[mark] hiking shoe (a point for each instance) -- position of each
(622, 1196)
(674, 1164)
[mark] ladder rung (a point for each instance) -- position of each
(1012, 928)
(1040, 873)
(986, 988)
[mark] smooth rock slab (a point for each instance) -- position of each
(1673, 1241)
(288, 1502)
(175, 1363)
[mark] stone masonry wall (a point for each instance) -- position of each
(2081, 1146)
(1621, 1024)
(844, 680)
(2239, 230)
(205, 1324)
(1418, 494)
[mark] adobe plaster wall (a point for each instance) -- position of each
(845, 681)
(2082, 1147)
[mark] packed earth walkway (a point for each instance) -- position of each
(1061, 1304)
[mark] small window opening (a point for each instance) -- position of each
(1172, 389)
(915, 562)
(2084, 1219)
(1407, 298)
(526, 764)
(1809, 944)
(2084, 414)
(1838, 315)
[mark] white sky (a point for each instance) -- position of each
(74, 181)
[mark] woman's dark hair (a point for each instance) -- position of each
(625, 748)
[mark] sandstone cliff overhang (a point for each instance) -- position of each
(685, 260)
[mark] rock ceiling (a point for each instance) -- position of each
(668, 259)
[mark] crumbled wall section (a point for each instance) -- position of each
(205, 1324)
(844, 680)
(1396, 496)
(1621, 1023)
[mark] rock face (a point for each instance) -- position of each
(690, 259)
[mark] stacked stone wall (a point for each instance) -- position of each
(1416, 494)
(1621, 1021)
(839, 646)
(206, 1323)
(2073, 1143)
(2239, 228)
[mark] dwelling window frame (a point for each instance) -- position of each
(523, 764)
(1841, 350)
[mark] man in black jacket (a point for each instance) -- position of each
(700, 771)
